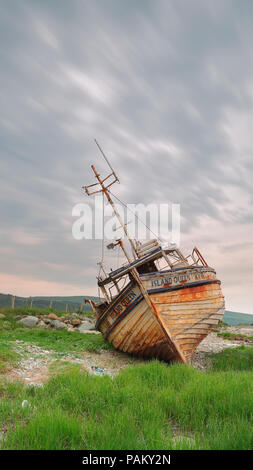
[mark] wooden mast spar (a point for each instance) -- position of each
(134, 272)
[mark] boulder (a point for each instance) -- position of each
(86, 326)
(58, 325)
(2, 315)
(91, 332)
(75, 322)
(29, 321)
(88, 319)
(52, 316)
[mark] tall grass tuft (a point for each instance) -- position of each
(236, 359)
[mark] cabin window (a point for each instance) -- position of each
(161, 264)
(146, 268)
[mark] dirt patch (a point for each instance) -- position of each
(111, 362)
(33, 365)
(33, 368)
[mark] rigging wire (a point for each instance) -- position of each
(124, 204)
(118, 252)
(103, 247)
(103, 239)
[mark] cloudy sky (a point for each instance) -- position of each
(167, 89)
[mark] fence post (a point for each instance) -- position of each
(67, 308)
(50, 303)
(81, 307)
(31, 302)
(12, 301)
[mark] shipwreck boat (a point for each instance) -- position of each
(157, 313)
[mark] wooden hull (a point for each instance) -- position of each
(188, 304)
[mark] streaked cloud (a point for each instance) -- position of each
(166, 88)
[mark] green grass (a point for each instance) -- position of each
(235, 336)
(8, 357)
(60, 367)
(222, 323)
(138, 409)
(58, 340)
(236, 359)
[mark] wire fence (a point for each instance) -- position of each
(14, 302)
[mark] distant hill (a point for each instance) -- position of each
(236, 318)
(58, 303)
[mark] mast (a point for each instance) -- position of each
(104, 189)
(107, 161)
(134, 272)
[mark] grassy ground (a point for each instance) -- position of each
(139, 409)
(147, 406)
(8, 358)
(60, 341)
(238, 359)
(57, 340)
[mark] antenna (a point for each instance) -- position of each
(107, 161)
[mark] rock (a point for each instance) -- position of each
(41, 323)
(71, 328)
(89, 320)
(58, 325)
(2, 315)
(52, 316)
(75, 322)
(29, 321)
(87, 325)
(91, 332)
(87, 328)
